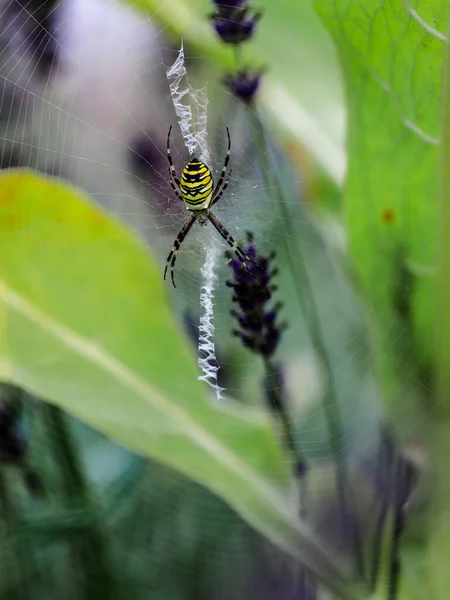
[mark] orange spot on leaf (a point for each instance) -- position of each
(7, 194)
(388, 215)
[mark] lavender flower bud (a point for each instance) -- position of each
(243, 85)
(232, 23)
(229, 4)
(253, 288)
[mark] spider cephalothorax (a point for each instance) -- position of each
(196, 189)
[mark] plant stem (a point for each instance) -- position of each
(89, 548)
(439, 573)
(288, 430)
(377, 544)
(281, 411)
(398, 526)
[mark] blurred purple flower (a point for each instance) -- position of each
(229, 4)
(34, 25)
(392, 475)
(243, 85)
(393, 478)
(146, 156)
(232, 23)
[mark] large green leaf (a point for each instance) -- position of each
(86, 325)
(301, 93)
(391, 59)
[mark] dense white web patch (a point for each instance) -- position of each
(207, 360)
(191, 107)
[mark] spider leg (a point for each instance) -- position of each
(219, 195)
(176, 246)
(231, 242)
(177, 193)
(169, 158)
(224, 170)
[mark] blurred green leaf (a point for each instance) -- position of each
(302, 93)
(392, 60)
(86, 325)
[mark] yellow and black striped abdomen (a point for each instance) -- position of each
(196, 185)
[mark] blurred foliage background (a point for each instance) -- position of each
(119, 476)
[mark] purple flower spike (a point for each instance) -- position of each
(243, 85)
(232, 23)
(253, 288)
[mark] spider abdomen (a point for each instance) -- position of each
(196, 185)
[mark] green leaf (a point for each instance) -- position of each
(304, 101)
(391, 56)
(86, 325)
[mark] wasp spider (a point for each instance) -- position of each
(196, 189)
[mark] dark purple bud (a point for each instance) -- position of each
(233, 23)
(227, 4)
(145, 155)
(235, 33)
(253, 289)
(270, 342)
(301, 468)
(243, 85)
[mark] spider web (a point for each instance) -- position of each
(191, 108)
(97, 114)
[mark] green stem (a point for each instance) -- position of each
(439, 573)
(281, 412)
(287, 430)
(90, 548)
